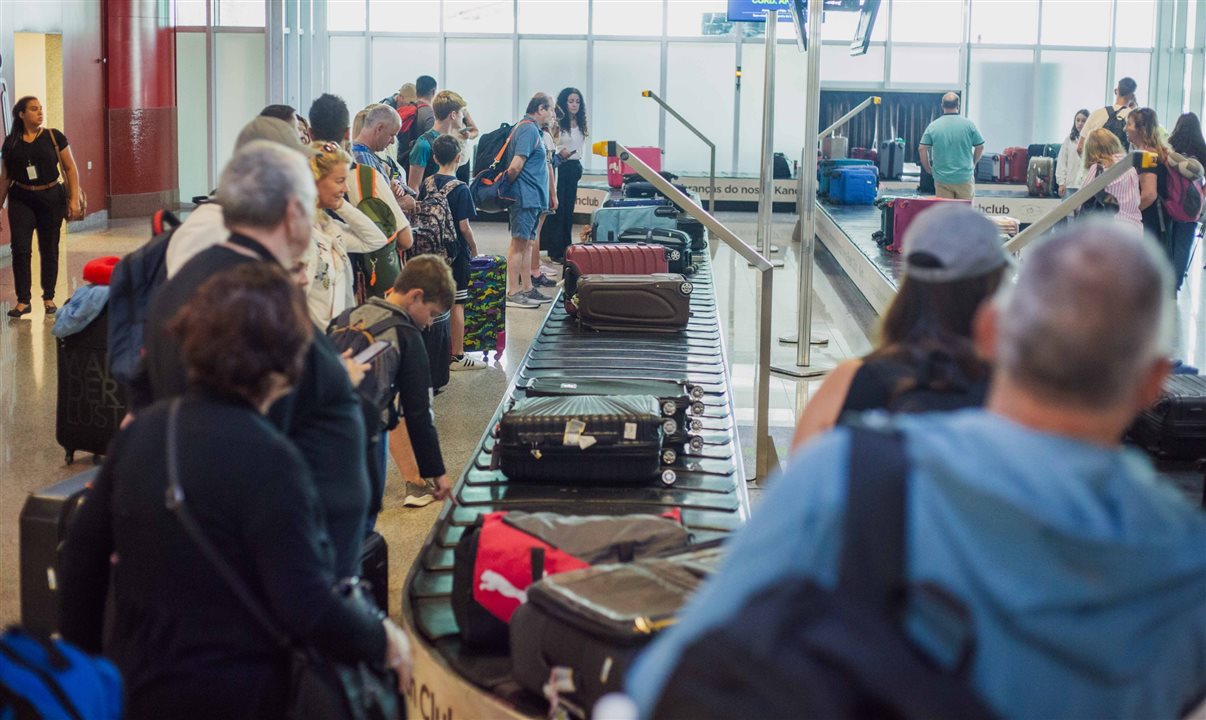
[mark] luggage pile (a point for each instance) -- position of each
(846, 181)
(1032, 166)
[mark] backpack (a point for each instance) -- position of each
(798, 649)
(1117, 125)
(1183, 197)
(488, 146)
(491, 187)
(134, 279)
(374, 273)
(42, 678)
(357, 328)
(432, 226)
(410, 132)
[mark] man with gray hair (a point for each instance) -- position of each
(1081, 576)
(381, 124)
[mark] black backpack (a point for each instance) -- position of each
(798, 649)
(357, 328)
(133, 281)
(1117, 125)
(488, 146)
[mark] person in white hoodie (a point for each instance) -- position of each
(339, 228)
(1068, 166)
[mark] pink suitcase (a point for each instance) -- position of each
(905, 211)
(651, 156)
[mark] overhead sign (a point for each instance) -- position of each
(755, 10)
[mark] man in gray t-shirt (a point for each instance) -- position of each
(529, 172)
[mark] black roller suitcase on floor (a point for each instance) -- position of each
(374, 568)
(581, 439)
(91, 402)
(1175, 427)
(45, 518)
(677, 242)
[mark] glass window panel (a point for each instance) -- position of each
(791, 77)
(1136, 66)
(489, 96)
(241, 13)
(240, 84)
(925, 65)
(1191, 26)
(400, 60)
(1068, 81)
(1077, 22)
(790, 69)
(479, 16)
(1004, 118)
(1004, 22)
(617, 111)
(550, 65)
(190, 12)
(564, 17)
(1185, 90)
(1136, 23)
(628, 17)
(346, 73)
(924, 21)
(699, 85)
(696, 18)
(749, 131)
(345, 15)
(192, 127)
(404, 15)
(838, 67)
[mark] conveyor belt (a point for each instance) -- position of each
(710, 490)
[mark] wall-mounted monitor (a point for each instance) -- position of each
(755, 10)
(866, 23)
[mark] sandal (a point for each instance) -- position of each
(18, 311)
(51, 309)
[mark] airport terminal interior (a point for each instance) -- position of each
(772, 169)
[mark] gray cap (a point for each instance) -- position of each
(960, 243)
(274, 130)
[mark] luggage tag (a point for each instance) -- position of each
(573, 432)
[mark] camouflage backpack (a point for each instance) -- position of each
(374, 272)
(432, 226)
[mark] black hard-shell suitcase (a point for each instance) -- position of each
(679, 257)
(642, 189)
(1048, 150)
(45, 518)
(641, 303)
(1175, 427)
(374, 568)
(582, 439)
(891, 159)
(583, 629)
(437, 339)
(694, 230)
(91, 402)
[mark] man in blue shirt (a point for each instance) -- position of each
(950, 148)
(529, 171)
(1084, 574)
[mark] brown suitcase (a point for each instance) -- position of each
(651, 303)
(625, 259)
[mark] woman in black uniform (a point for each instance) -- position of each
(38, 199)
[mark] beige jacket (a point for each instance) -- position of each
(329, 289)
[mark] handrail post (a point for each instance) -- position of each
(873, 100)
(711, 145)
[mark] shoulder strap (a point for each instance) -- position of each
(503, 150)
(175, 503)
(368, 185)
(871, 566)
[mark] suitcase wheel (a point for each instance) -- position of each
(696, 425)
(697, 408)
(686, 288)
(696, 392)
(696, 443)
(689, 270)
(668, 477)
(675, 256)
(669, 426)
(669, 456)
(668, 407)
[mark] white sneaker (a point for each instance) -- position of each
(418, 496)
(521, 300)
(465, 363)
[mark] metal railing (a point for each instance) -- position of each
(873, 100)
(764, 450)
(711, 145)
(1072, 203)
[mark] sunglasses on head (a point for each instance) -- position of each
(329, 147)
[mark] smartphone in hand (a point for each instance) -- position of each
(371, 352)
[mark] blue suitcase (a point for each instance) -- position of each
(828, 166)
(609, 223)
(853, 186)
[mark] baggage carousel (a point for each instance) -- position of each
(453, 681)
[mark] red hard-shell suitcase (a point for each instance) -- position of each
(906, 210)
(1014, 164)
(649, 303)
(622, 259)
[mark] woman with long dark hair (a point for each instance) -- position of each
(1143, 132)
(571, 141)
(1188, 155)
(31, 181)
(1067, 167)
(925, 359)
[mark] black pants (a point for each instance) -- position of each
(555, 237)
(30, 210)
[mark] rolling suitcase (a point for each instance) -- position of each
(581, 630)
(884, 237)
(617, 259)
(1175, 427)
(864, 154)
(646, 190)
(582, 439)
(636, 202)
(45, 518)
(91, 402)
(651, 156)
(437, 339)
(853, 186)
(677, 243)
(485, 313)
(646, 303)
(1014, 165)
(891, 159)
(1040, 177)
(834, 147)
(502, 553)
(695, 230)
(988, 170)
(374, 569)
(1047, 150)
(905, 211)
(608, 223)
(826, 168)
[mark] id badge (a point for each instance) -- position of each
(31, 172)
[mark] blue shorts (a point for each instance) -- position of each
(523, 222)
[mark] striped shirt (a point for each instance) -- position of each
(1124, 190)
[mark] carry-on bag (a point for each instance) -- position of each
(891, 159)
(42, 677)
(503, 553)
(826, 168)
(884, 237)
(493, 191)
(613, 259)
(374, 569)
(677, 244)
(834, 147)
(1175, 426)
(853, 186)
(608, 223)
(651, 156)
(645, 190)
(988, 170)
(647, 303)
(658, 201)
(486, 312)
(925, 183)
(1015, 164)
(695, 230)
(864, 154)
(45, 519)
(1047, 150)
(904, 211)
(582, 439)
(1040, 177)
(580, 631)
(91, 402)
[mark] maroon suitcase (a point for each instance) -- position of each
(906, 210)
(643, 303)
(619, 259)
(1015, 161)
